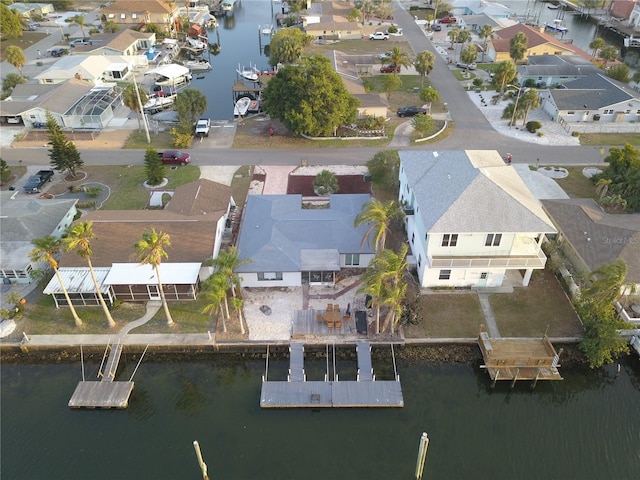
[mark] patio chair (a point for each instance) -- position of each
(336, 307)
(330, 324)
(319, 317)
(329, 307)
(338, 324)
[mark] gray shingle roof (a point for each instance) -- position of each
(590, 92)
(275, 228)
(467, 192)
(598, 237)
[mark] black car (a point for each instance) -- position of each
(58, 51)
(436, 27)
(411, 111)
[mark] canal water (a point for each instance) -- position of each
(585, 427)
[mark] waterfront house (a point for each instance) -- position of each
(23, 220)
(141, 12)
(591, 99)
(80, 287)
(551, 70)
(92, 69)
(73, 104)
(125, 42)
(538, 43)
(328, 21)
(470, 219)
(290, 244)
(590, 237)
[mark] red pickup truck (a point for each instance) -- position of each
(448, 20)
(174, 157)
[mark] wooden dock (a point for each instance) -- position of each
(106, 393)
(297, 392)
(519, 359)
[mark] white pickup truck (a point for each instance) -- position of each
(202, 127)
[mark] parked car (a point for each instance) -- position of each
(436, 27)
(79, 41)
(446, 20)
(388, 68)
(471, 66)
(379, 36)
(58, 51)
(32, 27)
(174, 157)
(202, 127)
(37, 181)
(411, 111)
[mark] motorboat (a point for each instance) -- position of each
(266, 29)
(171, 74)
(242, 106)
(254, 106)
(196, 44)
(157, 103)
(556, 26)
(228, 5)
(250, 73)
(553, 7)
(198, 65)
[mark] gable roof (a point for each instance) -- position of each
(277, 231)
(596, 236)
(557, 65)
(535, 38)
(139, 6)
(118, 41)
(56, 98)
(24, 219)
(202, 197)
(471, 191)
(590, 92)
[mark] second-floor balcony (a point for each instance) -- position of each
(536, 260)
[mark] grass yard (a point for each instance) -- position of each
(127, 192)
(25, 41)
(42, 318)
(359, 47)
(447, 315)
(576, 184)
(240, 184)
(528, 311)
(609, 139)
(188, 318)
(161, 141)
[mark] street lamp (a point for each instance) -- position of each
(515, 107)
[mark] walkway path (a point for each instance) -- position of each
(489, 317)
(152, 309)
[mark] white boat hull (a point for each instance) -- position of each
(242, 107)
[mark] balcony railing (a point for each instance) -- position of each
(500, 261)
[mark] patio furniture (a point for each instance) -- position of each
(361, 321)
(319, 317)
(330, 324)
(329, 307)
(337, 324)
(336, 307)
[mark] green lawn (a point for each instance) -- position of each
(528, 311)
(162, 141)
(25, 41)
(188, 318)
(609, 139)
(450, 315)
(576, 184)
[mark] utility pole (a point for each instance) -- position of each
(144, 117)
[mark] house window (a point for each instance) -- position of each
(483, 275)
(493, 240)
(627, 112)
(352, 259)
(608, 112)
(444, 275)
(571, 113)
(419, 259)
(413, 238)
(269, 276)
(134, 15)
(123, 16)
(112, 15)
(449, 239)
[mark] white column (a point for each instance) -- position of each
(527, 277)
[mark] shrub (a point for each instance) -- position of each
(477, 82)
(93, 192)
(91, 204)
(575, 134)
(325, 183)
(540, 134)
(533, 126)
(392, 29)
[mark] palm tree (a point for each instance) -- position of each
(392, 267)
(130, 99)
(46, 249)
(608, 54)
(226, 263)
(463, 37)
(453, 35)
(486, 33)
(602, 187)
(372, 285)
(15, 56)
(468, 56)
(215, 292)
(79, 20)
(151, 251)
(530, 100)
(79, 238)
(608, 284)
(424, 64)
(398, 58)
(596, 45)
(380, 216)
(518, 46)
(505, 74)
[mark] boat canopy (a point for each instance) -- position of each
(170, 71)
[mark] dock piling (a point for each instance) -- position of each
(422, 455)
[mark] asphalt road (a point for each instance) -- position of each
(472, 131)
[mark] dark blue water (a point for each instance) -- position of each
(585, 427)
(242, 44)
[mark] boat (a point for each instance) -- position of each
(171, 74)
(196, 44)
(266, 29)
(242, 106)
(157, 103)
(255, 106)
(200, 65)
(250, 73)
(227, 5)
(553, 7)
(556, 26)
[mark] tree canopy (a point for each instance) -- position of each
(624, 173)
(287, 45)
(424, 63)
(63, 154)
(310, 98)
(10, 23)
(518, 46)
(15, 56)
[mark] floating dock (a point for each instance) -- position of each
(297, 392)
(106, 393)
(519, 359)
